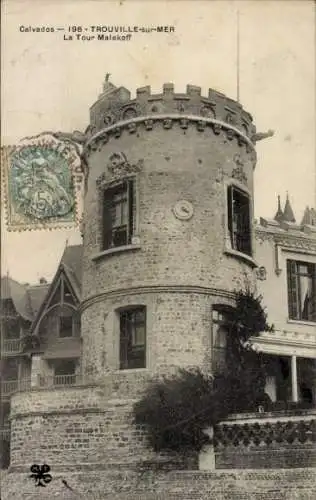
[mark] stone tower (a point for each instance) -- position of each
(168, 232)
(167, 239)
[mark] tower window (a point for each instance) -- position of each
(301, 281)
(118, 215)
(239, 220)
(133, 338)
(221, 318)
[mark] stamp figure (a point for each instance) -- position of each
(43, 179)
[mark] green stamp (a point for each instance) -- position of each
(44, 184)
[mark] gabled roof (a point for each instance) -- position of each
(37, 293)
(72, 262)
(71, 266)
(18, 293)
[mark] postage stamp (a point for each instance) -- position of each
(43, 183)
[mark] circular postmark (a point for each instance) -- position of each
(40, 183)
(183, 210)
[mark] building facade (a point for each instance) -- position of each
(19, 305)
(168, 238)
(287, 251)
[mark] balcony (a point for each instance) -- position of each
(9, 387)
(5, 432)
(60, 380)
(11, 347)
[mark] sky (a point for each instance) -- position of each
(49, 83)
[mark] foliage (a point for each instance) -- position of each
(249, 316)
(176, 410)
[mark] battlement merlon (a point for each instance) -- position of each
(115, 105)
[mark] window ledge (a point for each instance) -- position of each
(131, 370)
(301, 322)
(242, 256)
(114, 250)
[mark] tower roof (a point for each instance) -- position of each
(288, 214)
(279, 214)
(26, 298)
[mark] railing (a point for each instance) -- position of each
(5, 432)
(8, 387)
(267, 440)
(60, 380)
(266, 431)
(11, 346)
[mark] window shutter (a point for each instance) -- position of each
(123, 340)
(230, 213)
(107, 220)
(247, 229)
(131, 209)
(292, 289)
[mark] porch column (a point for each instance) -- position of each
(294, 379)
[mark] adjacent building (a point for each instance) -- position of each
(286, 250)
(19, 306)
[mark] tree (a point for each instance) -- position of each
(176, 410)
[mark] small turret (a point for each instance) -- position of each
(309, 217)
(288, 214)
(279, 215)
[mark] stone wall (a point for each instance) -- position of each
(171, 255)
(82, 425)
(116, 105)
(173, 485)
(192, 166)
(178, 333)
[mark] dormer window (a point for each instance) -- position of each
(66, 325)
(118, 215)
(61, 316)
(239, 226)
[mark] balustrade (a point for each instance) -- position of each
(10, 346)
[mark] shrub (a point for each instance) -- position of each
(177, 410)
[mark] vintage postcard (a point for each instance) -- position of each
(158, 250)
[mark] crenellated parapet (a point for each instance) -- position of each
(115, 110)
